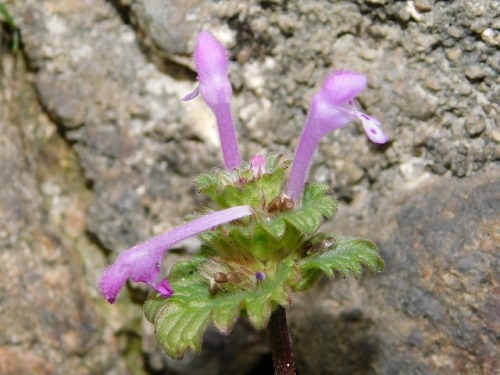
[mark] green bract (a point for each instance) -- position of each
(249, 266)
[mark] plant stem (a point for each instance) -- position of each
(281, 346)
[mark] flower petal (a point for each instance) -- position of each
(372, 129)
(326, 117)
(164, 289)
(193, 94)
(212, 62)
(142, 262)
(333, 107)
(342, 86)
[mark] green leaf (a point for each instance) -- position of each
(345, 255)
(181, 320)
(6, 15)
(274, 236)
(276, 227)
(259, 240)
(16, 36)
(274, 161)
(241, 187)
(317, 205)
(206, 180)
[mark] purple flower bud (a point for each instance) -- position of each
(142, 262)
(212, 61)
(260, 276)
(333, 107)
(258, 165)
(164, 289)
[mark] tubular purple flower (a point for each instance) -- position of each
(142, 262)
(212, 62)
(333, 107)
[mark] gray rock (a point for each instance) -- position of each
(437, 291)
(51, 319)
(475, 126)
(170, 25)
(475, 72)
(423, 5)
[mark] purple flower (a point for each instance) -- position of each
(212, 61)
(333, 107)
(142, 262)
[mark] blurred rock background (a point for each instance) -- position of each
(97, 153)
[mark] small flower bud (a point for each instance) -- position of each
(280, 203)
(220, 277)
(258, 165)
(234, 277)
(213, 287)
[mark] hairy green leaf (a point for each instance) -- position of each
(345, 255)
(241, 187)
(181, 320)
(275, 236)
(316, 206)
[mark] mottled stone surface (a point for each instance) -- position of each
(50, 316)
(107, 161)
(434, 309)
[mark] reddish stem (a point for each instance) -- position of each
(281, 346)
